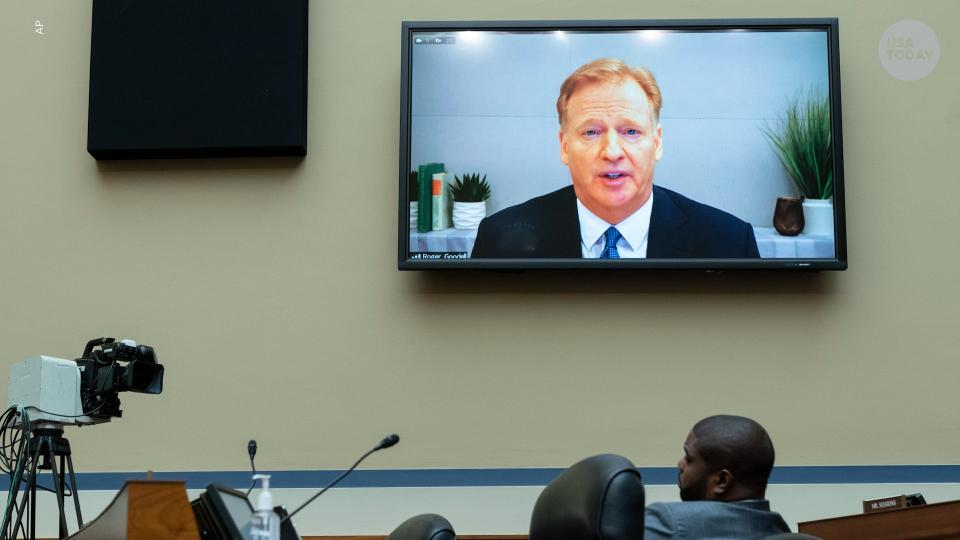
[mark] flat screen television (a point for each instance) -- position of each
(621, 144)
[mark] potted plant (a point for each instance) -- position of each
(803, 144)
(413, 194)
(469, 200)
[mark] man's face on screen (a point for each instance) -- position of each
(610, 141)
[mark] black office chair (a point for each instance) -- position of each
(599, 498)
(424, 527)
(791, 536)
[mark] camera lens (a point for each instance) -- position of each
(144, 377)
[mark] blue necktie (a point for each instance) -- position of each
(612, 236)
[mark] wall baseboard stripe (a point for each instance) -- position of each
(387, 478)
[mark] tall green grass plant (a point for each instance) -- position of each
(802, 142)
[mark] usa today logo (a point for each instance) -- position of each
(909, 50)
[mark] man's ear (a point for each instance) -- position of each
(563, 149)
(659, 153)
(722, 482)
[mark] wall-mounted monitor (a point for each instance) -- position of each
(188, 79)
(696, 144)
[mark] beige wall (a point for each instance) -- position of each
(235, 271)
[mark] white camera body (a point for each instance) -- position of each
(49, 389)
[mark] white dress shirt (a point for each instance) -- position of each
(634, 231)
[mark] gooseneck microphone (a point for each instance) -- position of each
(387, 442)
(252, 450)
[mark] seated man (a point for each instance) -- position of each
(723, 478)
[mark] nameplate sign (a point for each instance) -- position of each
(884, 504)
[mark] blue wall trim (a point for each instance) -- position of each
(387, 478)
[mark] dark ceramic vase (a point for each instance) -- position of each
(788, 217)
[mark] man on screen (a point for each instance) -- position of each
(610, 140)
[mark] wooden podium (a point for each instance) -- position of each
(145, 510)
(929, 521)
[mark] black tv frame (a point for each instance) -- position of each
(167, 82)
(830, 25)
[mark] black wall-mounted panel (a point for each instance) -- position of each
(198, 78)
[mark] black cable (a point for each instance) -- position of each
(7, 421)
(252, 482)
(11, 451)
(331, 484)
(10, 438)
(7, 441)
(12, 444)
(22, 454)
(95, 409)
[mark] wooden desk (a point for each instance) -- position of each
(144, 510)
(929, 522)
(152, 510)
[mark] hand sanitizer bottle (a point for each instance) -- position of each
(265, 524)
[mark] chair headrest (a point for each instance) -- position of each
(424, 527)
(600, 498)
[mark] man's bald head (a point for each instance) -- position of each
(739, 445)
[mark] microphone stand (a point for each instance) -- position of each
(385, 443)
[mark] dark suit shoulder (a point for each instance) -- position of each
(544, 226)
(537, 209)
(697, 210)
(683, 227)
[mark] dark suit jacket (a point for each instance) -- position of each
(549, 227)
(711, 520)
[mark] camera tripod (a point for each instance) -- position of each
(45, 445)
